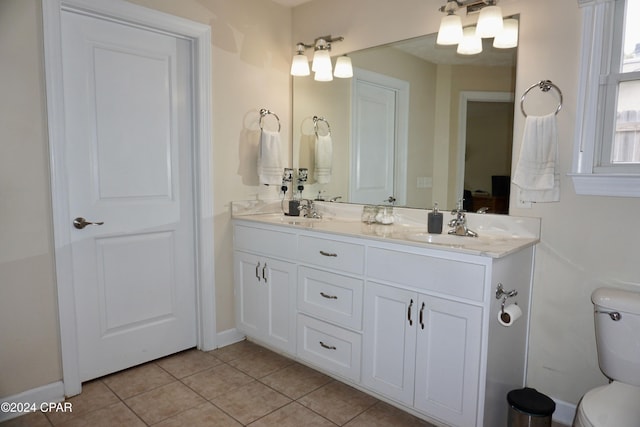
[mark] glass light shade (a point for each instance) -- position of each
(321, 61)
(508, 38)
(489, 22)
(343, 69)
(323, 76)
(450, 31)
(300, 65)
(471, 44)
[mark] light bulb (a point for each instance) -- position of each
(508, 38)
(489, 22)
(343, 68)
(300, 65)
(471, 44)
(321, 61)
(450, 31)
(323, 75)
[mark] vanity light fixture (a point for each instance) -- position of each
(490, 25)
(321, 65)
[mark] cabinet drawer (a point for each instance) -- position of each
(454, 278)
(269, 242)
(348, 257)
(333, 297)
(329, 347)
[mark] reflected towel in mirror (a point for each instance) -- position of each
(323, 159)
(536, 173)
(269, 158)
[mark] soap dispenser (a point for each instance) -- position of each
(434, 220)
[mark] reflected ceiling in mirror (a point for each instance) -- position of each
(427, 161)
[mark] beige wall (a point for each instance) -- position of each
(586, 241)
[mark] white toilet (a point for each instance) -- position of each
(617, 324)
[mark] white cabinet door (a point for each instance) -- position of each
(448, 360)
(389, 341)
(265, 295)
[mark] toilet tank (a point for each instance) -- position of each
(618, 341)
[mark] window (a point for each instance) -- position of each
(607, 155)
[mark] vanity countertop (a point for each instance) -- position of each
(498, 235)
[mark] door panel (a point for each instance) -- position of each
(129, 144)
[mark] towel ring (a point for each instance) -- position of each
(545, 86)
(264, 112)
(317, 119)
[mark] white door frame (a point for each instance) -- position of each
(465, 97)
(200, 36)
(401, 143)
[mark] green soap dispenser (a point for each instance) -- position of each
(434, 220)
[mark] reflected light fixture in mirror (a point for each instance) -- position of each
(471, 44)
(321, 65)
(490, 25)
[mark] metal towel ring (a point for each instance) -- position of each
(264, 112)
(317, 119)
(545, 86)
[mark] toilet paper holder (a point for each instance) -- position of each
(502, 293)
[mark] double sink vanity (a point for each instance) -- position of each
(407, 316)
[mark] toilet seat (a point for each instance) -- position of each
(616, 404)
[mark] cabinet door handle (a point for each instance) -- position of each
(328, 254)
(328, 347)
(421, 316)
(409, 313)
(264, 276)
(328, 296)
(258, 274)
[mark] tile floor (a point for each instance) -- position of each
(239, 385)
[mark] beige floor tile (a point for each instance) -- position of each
(260, 364)
(164, 402)
(338, 402)
(33, 419)
(203, 415)
(137, 380)
(292, 415)
(217, 380)
(188, 362)
(114, 415)
(237, 350)
(250, 402)
(385, 415)
(296, 380)
(95, 395)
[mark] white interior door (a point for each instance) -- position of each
(379, 129)
(129, 159)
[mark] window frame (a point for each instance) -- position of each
(601, 42)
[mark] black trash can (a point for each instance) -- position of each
(529, 408)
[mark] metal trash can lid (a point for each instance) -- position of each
(531, 401)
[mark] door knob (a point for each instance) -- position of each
(81, 223)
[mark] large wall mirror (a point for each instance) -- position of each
(417, 122)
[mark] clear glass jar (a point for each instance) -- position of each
(385, 215)
(369, 214)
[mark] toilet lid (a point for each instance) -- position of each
(616, 404)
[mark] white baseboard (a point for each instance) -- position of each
(53, 392)
(564, 413)
(228, 337)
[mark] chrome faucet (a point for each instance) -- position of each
(309, 209)
(459, 223)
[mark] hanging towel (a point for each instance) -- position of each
(269, 162)
(324, 159)
(536, 173)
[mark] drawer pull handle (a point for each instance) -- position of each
(409, 313)
(421, 316)
(264, 276)
(328, 347)
(258, 274)
(328, 296)
(328, 254)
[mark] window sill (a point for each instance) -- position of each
(616, 185)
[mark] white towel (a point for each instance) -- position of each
(269, 161)
(536, 173)
(323, 159)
